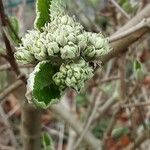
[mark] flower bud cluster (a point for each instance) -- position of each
(58, 39)
(63, 38)
(73, 75)
(94, 45)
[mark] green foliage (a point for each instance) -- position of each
(15, 26)
(119, 132)
(44, 90)
(100, 129)
(47, 142)
(127, 5)
(42, 10)
(138, 70)
(57, 8)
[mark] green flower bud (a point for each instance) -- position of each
(100, 42)
(68, 82)
(61, 40)
(89, 52)
(74, 74)
(69, 51)
(82, 41)
(52, 48)
(77, 75)
(66, 20)
(68, 28)
(97, 46)
(72, 38)
(24, 56)
(69, 73)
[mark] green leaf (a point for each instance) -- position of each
(43, 13)
(44, 90)
(47, 142)
(57, 8)
(138, 70)
(119, 132)
(137, 65)
(15, 25)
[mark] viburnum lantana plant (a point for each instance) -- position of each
(62, 50)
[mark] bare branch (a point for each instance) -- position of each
(145, 23)
(136, 105)
(77, 126)
(120, 8)
(10, 89)
(8, 67)
(121, 45)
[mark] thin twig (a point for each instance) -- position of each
(9, 50)
(10, 89)
(86, 128)
(94, 143)
(12, 136)
(111, 124)
(72, 106)
(11, 112)
(61, 136)
(110, 79)
(122, 64)
(53, 132)
(8, 67)
(120, 46)
(94, 25)
(139, 140)
(136, 105)
(120, 8)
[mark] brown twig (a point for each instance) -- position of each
(8, 67)
(121, 45)
(120, 8)
(9, 50)
(140, 104)
(139, 140)
(10, 89)
(77, 126)
(110, 79)
(89, 121)
(31, 117)
(31, 127)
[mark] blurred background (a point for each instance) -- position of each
(127, 77)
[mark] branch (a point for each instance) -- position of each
(77, 126)
(136, 105)
(145, 23)
(8, 67)
(89, 121)
(139, 140)
(120, 8)
(120, 46)
(10, 89)
(9, 50)
(31, 127)
(31, 117)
